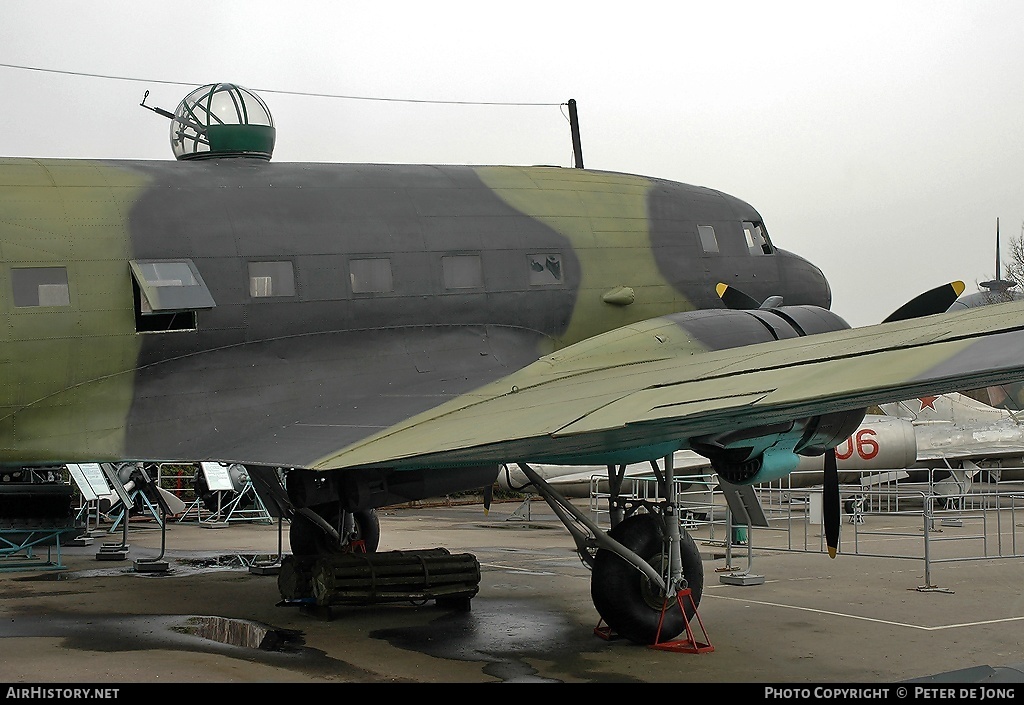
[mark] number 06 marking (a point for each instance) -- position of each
(866, 445)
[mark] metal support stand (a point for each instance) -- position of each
(269, 489)
(197, 507)
(274, 566)
(929, 519)
(689, 645)
(158, 564)
(125, 510)
(17, 549)
(257, 514)
(115, 551)
(743, 505)
(522, 512)
(215, 521)
(86, 535)
(233, 511)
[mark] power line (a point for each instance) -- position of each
(272, 90)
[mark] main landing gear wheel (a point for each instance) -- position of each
(625, 597)
(308, 539)
(367, 529)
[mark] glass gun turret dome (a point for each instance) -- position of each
(222, 120)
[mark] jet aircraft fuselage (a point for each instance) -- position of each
(166, 310)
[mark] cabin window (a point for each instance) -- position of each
(708, 241)
(40, 286)
(757, 238)
(545, 269)
(370, 276)
(271, 279)
(167, 295)
(462, 272)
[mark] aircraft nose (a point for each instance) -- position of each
(805, 282)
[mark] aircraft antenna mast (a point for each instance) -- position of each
(999, 272)
(574, 126)
(998, 285)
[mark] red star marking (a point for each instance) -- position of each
(927, 401)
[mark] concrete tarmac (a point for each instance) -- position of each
(849, 620)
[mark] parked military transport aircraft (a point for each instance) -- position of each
(382, 333)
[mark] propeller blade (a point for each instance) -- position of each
(734, 298)
(488, 496)
(830, 511)
(938, 300)
(738, 301)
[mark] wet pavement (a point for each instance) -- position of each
(812, 619)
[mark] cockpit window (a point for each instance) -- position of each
(757, 238)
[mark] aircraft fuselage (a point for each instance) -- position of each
(342, 298)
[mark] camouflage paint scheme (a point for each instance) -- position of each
(592, 333)
(292, 380)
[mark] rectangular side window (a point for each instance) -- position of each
(708, 241)
(370, 276)
(462, 272)
(40, 286)
(545, 269)
(271, 279)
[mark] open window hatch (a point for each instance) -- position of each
(168, 293)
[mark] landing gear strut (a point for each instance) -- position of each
(333, 530)
(641, 564)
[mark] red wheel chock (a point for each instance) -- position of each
(605, 632)
(689, 645)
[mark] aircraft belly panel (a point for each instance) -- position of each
(290, 401)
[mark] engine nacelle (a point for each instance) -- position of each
(758, 454)
(720, 330)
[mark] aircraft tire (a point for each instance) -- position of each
(624, 597)
(368, 529)
(308, 539)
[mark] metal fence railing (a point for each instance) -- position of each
(882, 517)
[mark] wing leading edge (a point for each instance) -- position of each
(645, 390)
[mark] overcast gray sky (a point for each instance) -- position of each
(881, 140)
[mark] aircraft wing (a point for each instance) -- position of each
(643, 389)
(979, 445)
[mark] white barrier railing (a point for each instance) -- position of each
(893, 518)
